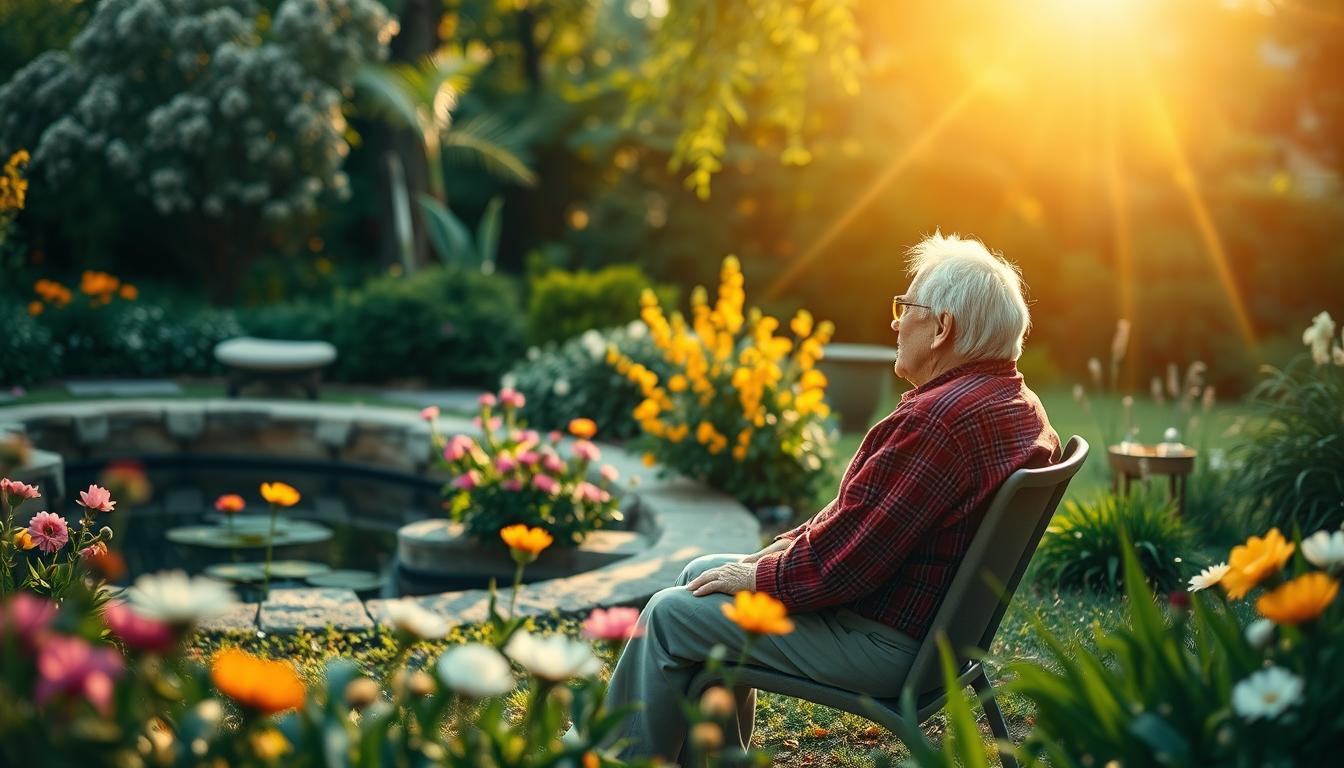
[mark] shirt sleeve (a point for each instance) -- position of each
(901, 493)
(800, 530)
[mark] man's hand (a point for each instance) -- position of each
(729, 578)
(775, 546)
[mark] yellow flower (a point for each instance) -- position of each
(531, 541)
(801, 325)
(646, 410)
(1301, 599)
(583, 428)
(260, 684)
(678, 433)
(1253, 562)
(704, 432)
(280, 494)
(813, 379)
(758, 613)
(23, 539)
(270, 744)
(740, 452)
(648, 459)
(677, 383)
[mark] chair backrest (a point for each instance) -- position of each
(994, 563)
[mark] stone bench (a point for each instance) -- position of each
(298, 362)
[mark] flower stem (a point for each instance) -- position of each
(266, 571)
(517, 582)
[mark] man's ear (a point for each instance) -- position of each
(946, 332)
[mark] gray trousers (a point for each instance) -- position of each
(834, 646)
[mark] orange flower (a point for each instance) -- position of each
(129, 292)
(759, 613)
(280, 494)
(23, 539)
(256, 683)
(232, 503)
(584, 428)
(1301, 599)
(35, 308)
(108, 564)
(1254, 561)
(523, 540)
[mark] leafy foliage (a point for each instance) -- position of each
(27, 353)
(564, 304)
(1290, 464)
(573, 380)
(443, 325)
(1084, 547)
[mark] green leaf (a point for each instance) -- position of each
(487, 233)
(446, 232)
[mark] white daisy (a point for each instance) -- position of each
(476, 670)
(556, 658)
(1209, 576)
(1266, 693)
(1324, 549)
(174, 598)
(1259, 633)
(407, 616)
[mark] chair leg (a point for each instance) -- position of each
(984, 689)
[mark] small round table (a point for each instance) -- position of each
(1135, 461)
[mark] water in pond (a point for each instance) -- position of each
(346, 522)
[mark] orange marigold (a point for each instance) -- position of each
(584, 428)
(259, 684)
(1253, 562)
(280, 494)
(1300, 600)
(758, 613)
(523, 539)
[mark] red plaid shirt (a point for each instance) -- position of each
(888, 545)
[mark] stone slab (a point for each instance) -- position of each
(241, 616)
(288, 610)
(123, 388)
(455, 400)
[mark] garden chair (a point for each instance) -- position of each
(969, 615)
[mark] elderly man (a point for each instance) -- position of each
(863, 578)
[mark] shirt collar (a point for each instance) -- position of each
(981, 367)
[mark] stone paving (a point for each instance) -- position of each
(680, 519)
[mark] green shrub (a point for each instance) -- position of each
(573, 379)
(1213, 505)
(1291, 472)
(27, 354)
(1083, 547)
(298, 320)
(444, 325)
(138, 339)
(564, 304)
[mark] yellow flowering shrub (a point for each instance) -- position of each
(744, 408)
(13, 189)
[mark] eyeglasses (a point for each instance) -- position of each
(897, 302)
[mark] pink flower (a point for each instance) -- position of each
(609, 473)
(554, 436)
(512, 397)
(589, 492)
(467, 481)
(586, 450)
(49, 531)
(495, 422)
(505, 463)
(26, 616)
(22, 491)
(458, 447)
(512, 485)
(430, 413)
(96, 549)
(138, 632)
(553, 463)
(486, 400)
(529, 458)
(97, 498)
(70, 666)
(546, 484)
(613, 624)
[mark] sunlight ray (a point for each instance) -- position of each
(897, 165)
(1199, 210)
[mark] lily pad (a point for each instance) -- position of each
(359, 581)
(242, 573)
(297, 569)
(250, 535)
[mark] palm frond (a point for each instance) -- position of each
(489, 142)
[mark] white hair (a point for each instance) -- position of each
(981, 289)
